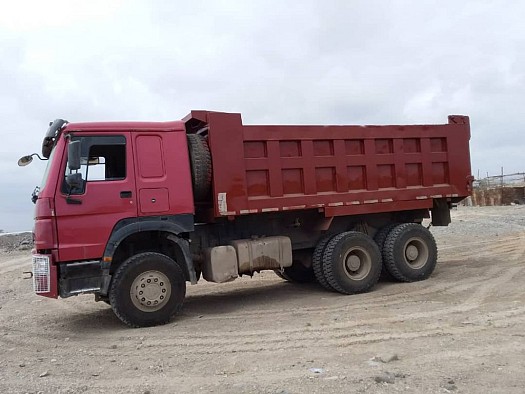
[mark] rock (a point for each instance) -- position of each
(113, 347)
(393, 357)
(385, 377)
(385, 359)
(22, 365)
(450, 385)
(44, 374)
(316, 370)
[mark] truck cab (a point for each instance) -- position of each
(126, 178)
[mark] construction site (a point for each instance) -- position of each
(498, 190)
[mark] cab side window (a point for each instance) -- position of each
(103, 159)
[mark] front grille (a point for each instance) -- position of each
(41, 276)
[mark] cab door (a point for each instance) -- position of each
(87, 214)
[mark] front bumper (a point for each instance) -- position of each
(67, 279)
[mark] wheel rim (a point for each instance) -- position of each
(357, 263)
(416, 253)
(150, 291)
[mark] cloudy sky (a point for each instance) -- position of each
(307, 62)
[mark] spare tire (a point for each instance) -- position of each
(200, 161)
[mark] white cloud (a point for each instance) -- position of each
(275, 62)
(34, 16)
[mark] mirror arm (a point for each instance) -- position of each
(41, 158)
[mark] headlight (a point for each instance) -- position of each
(41, 274)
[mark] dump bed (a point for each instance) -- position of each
(339, 170)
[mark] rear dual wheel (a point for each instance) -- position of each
(380, 238)
(318, 262)
(351, 263)
(301, 269)
(410, 252)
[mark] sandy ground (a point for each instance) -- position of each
(462, 330)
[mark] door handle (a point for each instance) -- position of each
(74, 201)
(125, 194)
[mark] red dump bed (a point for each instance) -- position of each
(339, 170)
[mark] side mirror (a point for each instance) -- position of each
(25, 160)
(73, 155)
(74, 181)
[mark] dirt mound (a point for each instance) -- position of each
(16, 241)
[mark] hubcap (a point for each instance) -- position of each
(150, 291)
(412, 252)
(416, 253)
(357, 263)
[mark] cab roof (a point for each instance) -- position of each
(175, 125)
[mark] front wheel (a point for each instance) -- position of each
(147, 290)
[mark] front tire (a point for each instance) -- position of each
(410, 252)
(147, 290)
(352, 263)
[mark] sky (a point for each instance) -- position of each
(289, 62)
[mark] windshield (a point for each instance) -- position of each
(46, 172)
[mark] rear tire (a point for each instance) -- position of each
(147, 290)
(410, 252)
(380, 239)
(352, 263)
(298, 272)
(318, 262)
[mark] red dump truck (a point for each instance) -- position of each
(131, 211)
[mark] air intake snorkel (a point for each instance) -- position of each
(51, 136)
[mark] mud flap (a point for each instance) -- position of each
(184, 247)
(440, 213)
